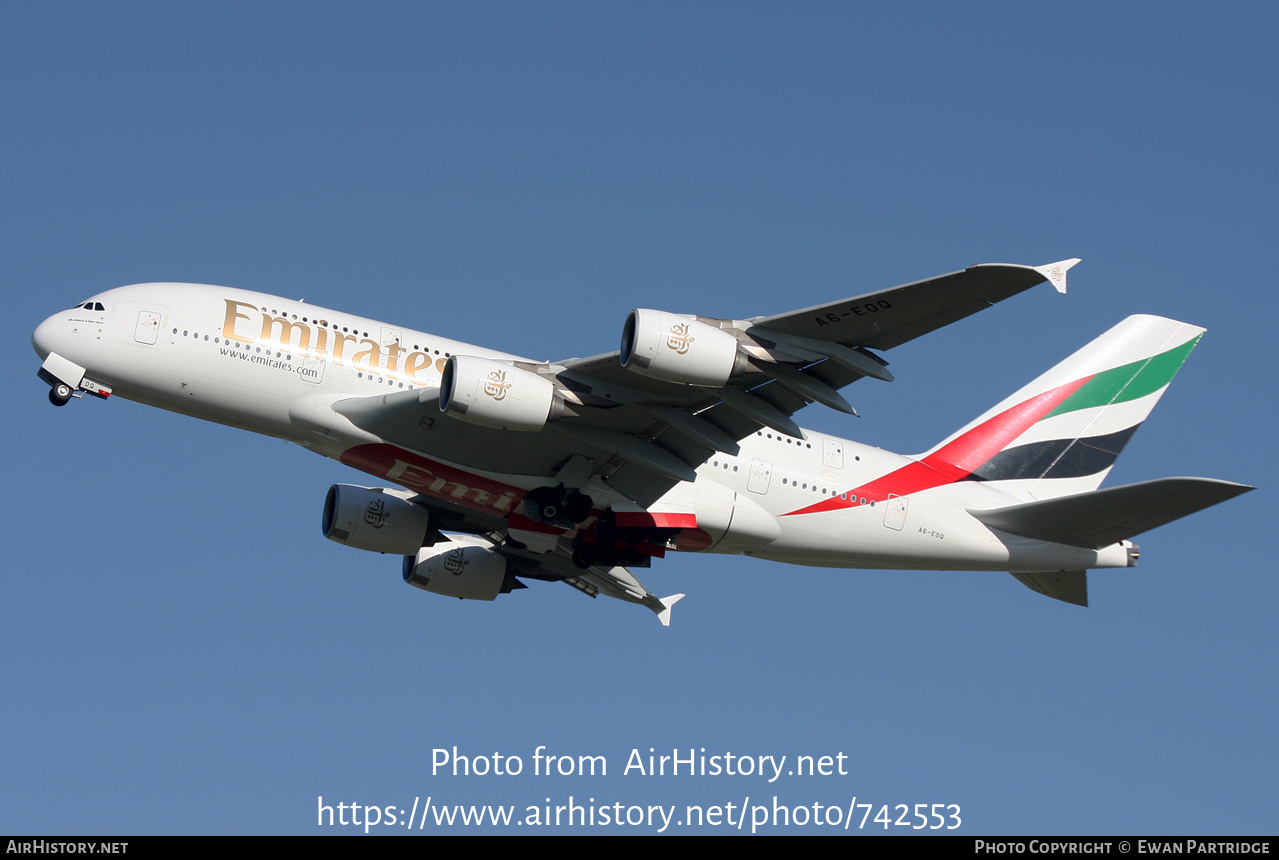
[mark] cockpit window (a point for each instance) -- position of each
(92, 306)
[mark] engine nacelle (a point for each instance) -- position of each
(679, 349)
(466, 567)
(497, 394)
(374, 519)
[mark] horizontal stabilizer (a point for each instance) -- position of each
(1070, 586)
(1103, 517)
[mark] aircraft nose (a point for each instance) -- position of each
(42, 338)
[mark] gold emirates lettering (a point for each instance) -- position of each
(314, 343)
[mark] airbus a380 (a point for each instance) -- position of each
(578, 470)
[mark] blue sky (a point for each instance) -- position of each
(184, 653)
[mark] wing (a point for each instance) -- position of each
(892, 317)
(796, 358)
(621, 430)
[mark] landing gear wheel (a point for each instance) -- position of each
(60, 394)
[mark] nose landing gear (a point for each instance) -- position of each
(64, 377)
(60, 393)
(67, 379)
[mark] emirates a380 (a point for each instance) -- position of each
(581, 470)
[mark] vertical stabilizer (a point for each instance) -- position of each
(1061, 434)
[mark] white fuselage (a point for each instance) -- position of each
(274, 366)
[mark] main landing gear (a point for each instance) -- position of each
(557, 506)
(606, 543)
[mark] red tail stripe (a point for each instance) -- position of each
(958, 458)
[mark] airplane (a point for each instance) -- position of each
(578, 471)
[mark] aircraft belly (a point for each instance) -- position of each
(1027, 554)
(858, 538)
(925, 530)
(937, 533)
(497, 495)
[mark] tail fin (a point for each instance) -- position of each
(1061, 434)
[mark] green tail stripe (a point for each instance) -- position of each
(1127, 382)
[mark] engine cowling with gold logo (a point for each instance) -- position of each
(374, 519)
(679, 349)
(497, 394)
(466, 567)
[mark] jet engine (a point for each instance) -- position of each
(374, 519)
(465, 567)
(679, 349)
(497, 394)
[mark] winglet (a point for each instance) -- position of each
(664, 614)
(1056, 272)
